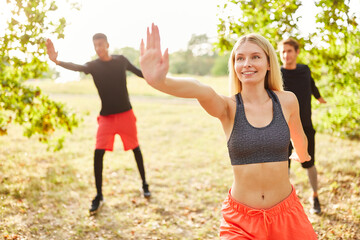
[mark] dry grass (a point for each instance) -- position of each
(46, 195)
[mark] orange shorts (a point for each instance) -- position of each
(286, 220)
(123, 124)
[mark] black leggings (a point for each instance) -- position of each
(98, 167)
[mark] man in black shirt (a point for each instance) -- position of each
(297, 79)
(116, 115)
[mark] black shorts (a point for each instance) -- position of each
(310, 134)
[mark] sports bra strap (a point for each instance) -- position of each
(238, 99)
(273, 95)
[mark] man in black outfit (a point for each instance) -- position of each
(116, 115)
(297, 79)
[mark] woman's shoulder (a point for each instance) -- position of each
(286, 98)
(288, 95)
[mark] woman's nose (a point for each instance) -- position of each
(247, 62)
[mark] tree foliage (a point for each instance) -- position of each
(332, 51)
(335, 53)
(198, 59)
(270, 18)
(130, 53)
(22, 57)
(220, 67)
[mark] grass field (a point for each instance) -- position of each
(46, 195)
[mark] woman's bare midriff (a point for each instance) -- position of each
(261, 185)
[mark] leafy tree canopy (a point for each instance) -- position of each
(22, 57)
(332, 51)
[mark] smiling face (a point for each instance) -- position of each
(251, 63)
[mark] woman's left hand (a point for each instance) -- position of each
(154, 64)
(295, 157)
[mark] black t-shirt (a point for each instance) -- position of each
(300, 82)
(110, 81)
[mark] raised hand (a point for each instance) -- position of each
(154, 64)
(51, 51)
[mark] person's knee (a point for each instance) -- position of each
(99, 153)
(137, 149)
(311, 168)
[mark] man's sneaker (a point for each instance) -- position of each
(146, 191)
(96, 204)
(316, 206)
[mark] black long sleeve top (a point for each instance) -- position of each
(300, 82)
(110, 80)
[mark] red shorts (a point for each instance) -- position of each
(286, 220)
(123, 124)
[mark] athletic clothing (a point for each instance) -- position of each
(110, 80)
(300, 82)
(286, 220)
(140, 164)
(98, 169)
(116, 115)
(248, 144)
(310, 134)
(123, 124)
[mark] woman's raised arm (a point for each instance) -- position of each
(155, 66)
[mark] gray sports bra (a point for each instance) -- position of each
(248, 144)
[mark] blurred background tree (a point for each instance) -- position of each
(22, 57)
(200, 58)
(334, 56)
(332, 51)
(130, 53)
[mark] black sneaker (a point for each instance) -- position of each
(146, 191)
(316, 206)
(96, 204)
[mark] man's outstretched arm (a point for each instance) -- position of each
(68, 65)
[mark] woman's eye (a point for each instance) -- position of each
(256, 57)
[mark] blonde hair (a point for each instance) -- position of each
(273, 78)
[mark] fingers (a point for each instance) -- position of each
(156, 37)
(152, 38)
(142, 50)
(147, 38)
(48, 43)
(49, 46)
(166, 57)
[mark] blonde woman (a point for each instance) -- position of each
(258, 119)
